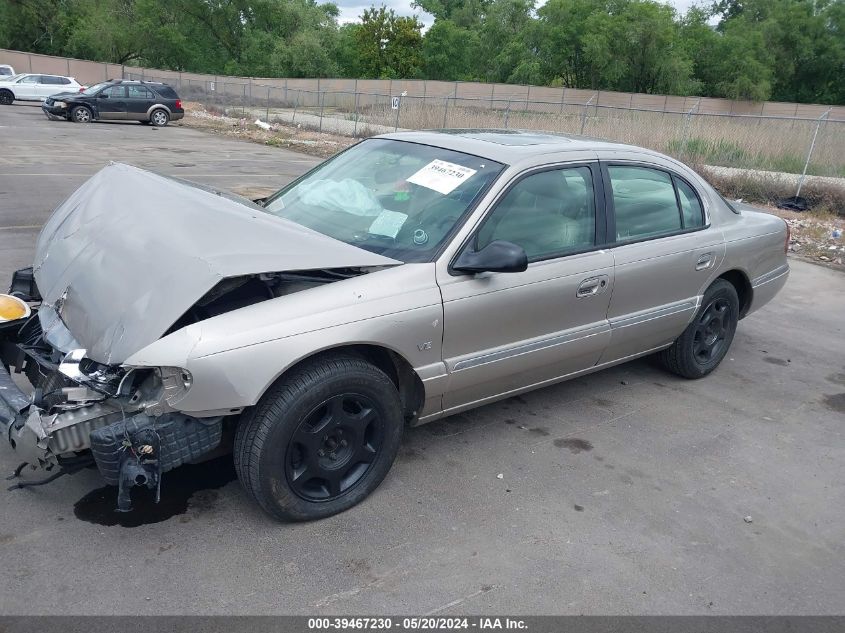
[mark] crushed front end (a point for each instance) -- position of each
(80, 412)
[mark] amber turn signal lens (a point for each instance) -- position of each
(12, 308)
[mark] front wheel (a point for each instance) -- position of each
(320, 440)
(706, 341)
(6, 97)
(81, 114)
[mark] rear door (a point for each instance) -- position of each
(664, 254)
(505, 332)
(50, 85)
(28, 88)
(111, 102)
(138, 101)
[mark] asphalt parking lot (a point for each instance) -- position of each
(624, 492)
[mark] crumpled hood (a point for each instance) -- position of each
(62, 95)
(130, 251)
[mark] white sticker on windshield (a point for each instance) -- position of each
(441, 176)
(388, 223)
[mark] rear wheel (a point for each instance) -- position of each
(706, 341)
(159, 117)
(81, 114)
(6, 97)
(320, 440)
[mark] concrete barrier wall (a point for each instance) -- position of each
(501, 96)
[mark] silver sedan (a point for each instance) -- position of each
(411, 277)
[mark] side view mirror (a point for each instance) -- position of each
(498, 256)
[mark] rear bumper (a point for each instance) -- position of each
(765, 287)
(175, 116)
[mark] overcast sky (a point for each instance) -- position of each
(351, 9)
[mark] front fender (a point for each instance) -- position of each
(238, 378)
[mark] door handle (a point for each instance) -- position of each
(591, 286)
(704, 261)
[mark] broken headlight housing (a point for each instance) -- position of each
(170, 385)
(175, 383)
(105, 379)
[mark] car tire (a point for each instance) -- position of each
(320, 440)
(707, 339)
(81, 114)
(6, 97)
(159, 117)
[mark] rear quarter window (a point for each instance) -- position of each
(167, 92)
(690, 205)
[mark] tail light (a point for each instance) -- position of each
(178, 104)
(81, 88)
(788, 236)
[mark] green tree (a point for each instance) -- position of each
(389, 46)
(450, 52)
(503, 43)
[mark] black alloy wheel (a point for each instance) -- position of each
(334, 447)
(706, 340)
(712, 329)
(321, 439)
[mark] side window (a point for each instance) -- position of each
(30, 79)
(51, 80)
(64, 80)
(139, 92)
(690, 205)
(116, 92)
(644, 202)
(167, 92)
(548, 213)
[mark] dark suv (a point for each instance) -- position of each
(122, 100)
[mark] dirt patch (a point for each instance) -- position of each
(296, 138)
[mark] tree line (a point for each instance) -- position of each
(783, 50)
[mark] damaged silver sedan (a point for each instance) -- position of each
(410, 277)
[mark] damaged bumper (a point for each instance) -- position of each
(82, 412)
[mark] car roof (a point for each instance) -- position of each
(509, 146)
(136, 81)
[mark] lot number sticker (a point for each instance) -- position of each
(441, 176)
(394, 103)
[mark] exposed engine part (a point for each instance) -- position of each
(238, 292)
(139, 466)
(135, 451)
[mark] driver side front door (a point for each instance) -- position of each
(111, 103)
(508, 332)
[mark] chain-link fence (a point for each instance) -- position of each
(778, 144)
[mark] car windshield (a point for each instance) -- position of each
(395, 198)
(95, 88)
